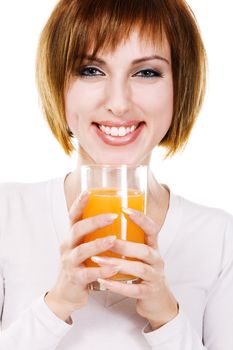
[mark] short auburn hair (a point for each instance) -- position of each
(76, 26)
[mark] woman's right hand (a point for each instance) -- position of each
(70, 292)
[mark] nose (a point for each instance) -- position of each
(118, 100)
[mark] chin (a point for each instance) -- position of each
(119, 159)
(115, 156)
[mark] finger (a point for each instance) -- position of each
(136, 250)
(150, 227)
(75, 212)
(81, 228)
(84, 251)
(137, 291)
(135, 268)
(91, 274)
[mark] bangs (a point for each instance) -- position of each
(101, 25)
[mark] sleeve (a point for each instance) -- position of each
(1, 291)
(218, 318)
(37, 328)
(178, 334)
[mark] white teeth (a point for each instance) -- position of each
(122, 131)
(114, 131)
(107, 130)
(133, 127)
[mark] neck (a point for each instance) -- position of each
(73, 181)
(157, 198)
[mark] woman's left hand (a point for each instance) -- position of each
(155, 301)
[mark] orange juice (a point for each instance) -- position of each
(110, 200)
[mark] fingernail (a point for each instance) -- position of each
(102, 281)
(83, 195)
(99, 260)
(130, 211)
(115, 268)
(110, 217)
(109, 240)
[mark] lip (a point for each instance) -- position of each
(125, 123)
(119, 140)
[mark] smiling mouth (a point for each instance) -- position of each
(119, 134)
(118, 131)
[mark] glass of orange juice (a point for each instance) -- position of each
(112, 188)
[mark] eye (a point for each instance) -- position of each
(89, 72)
(148, 73)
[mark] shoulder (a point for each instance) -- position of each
(210, 226)
(11, 192)
(16, 189)
(18, 198)
(204, 215)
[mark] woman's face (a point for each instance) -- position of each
(120, 105)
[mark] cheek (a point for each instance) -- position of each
(80, 102)
(157, 101)
(70, 106)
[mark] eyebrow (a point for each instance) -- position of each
(137, 60)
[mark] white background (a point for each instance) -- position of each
(28, 152)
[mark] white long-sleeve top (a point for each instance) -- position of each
(196, 243)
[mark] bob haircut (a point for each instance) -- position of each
(77, 26)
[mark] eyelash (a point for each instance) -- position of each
(152, 73)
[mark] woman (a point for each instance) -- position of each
(104, 67)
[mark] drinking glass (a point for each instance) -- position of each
(112, 188)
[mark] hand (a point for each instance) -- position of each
(71, 289)
(155, 302)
